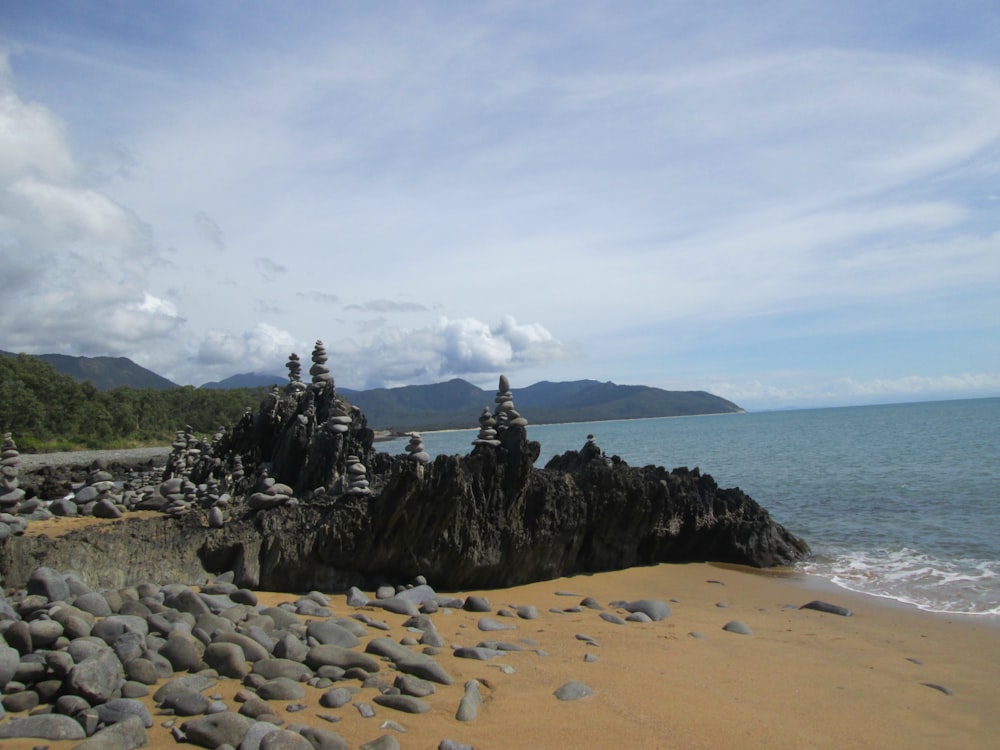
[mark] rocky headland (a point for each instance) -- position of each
(296, 497)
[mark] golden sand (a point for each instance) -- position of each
(802, 679)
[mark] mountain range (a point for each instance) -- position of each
(452, 404)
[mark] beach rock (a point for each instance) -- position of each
(185, 703)
(738, 627)
(655, 609)
(407, 661)
(126, 734)
(323, 739)
(830, 609)
(119, 709)
(43, 726)
(97, 678)
(572, 691)
(335, 697)
(408, 684)
(405, 703)
(468, 707)
(284, 739)
(213, 730)
(324, 655)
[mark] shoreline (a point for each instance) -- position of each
(802, 678)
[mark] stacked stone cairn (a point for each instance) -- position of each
(415, 449)
(339, 421)
(319, 371)
(295, 384)
(11, 493)
(269, 494)
(357, 477)
(179, 494)
(487, 429)
(101, 501)
(505, 414)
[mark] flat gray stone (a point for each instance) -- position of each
(405, 703)
(655, 609)
(468, 707)
(408, 661)
(281, 689)
(43, 726)
(572, 691)
(213, 730)
(329, 632)
(338, 656)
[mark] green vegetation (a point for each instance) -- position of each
(46, 411)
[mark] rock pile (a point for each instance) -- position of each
(270, 494)
(294, 366)
(10, 491)
(487, 429)
(357, 477)
(76, 662)
(415, 449)
(505, 414)
(319, 371)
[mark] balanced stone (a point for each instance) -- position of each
(487, 432)
(357, 477)
(10, 492)
(505, 414)
(415, 449)
(319, 371)
(294, 366)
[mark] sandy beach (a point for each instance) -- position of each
(801, 679)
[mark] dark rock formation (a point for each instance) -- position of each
(488, 519)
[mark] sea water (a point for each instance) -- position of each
(899, 501)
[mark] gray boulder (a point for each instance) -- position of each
(213, 730)
(97, 678)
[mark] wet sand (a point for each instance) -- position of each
(802, 679)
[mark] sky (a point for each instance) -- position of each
(785, 203)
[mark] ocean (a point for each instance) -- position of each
(900, 501)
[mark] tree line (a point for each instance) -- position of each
(46, 411)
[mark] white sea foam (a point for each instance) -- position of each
(959, 586)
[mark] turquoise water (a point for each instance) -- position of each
(900, 501)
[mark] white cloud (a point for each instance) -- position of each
(78, 261)
(464, 347)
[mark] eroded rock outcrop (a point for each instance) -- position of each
(487, 519)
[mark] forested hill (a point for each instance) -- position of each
(104, 373)
(55, 402)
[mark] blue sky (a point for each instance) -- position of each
(789, 204)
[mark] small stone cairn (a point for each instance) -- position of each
(319, 371)
(357, 477)
(339, 420)
(295, 384)
(11, 493)
(270, 494)
(505, 414)
(487, 429)
(415, 449)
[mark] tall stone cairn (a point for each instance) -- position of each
(357, 477)
(319, 371)
(10, 491)
(294, 373)
(505, 414)
(487, 429)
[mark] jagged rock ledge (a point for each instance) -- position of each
(299, 513)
